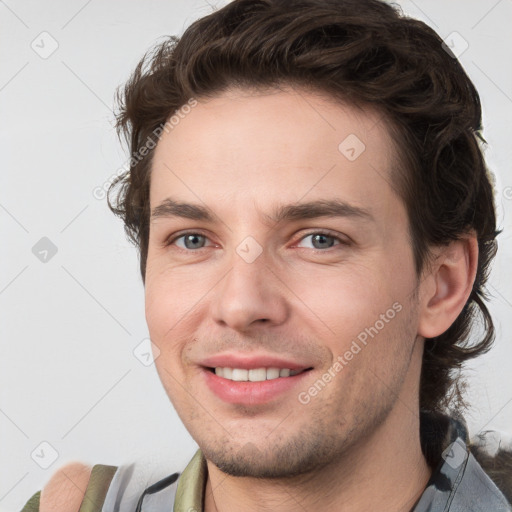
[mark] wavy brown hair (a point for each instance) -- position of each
(361, 52)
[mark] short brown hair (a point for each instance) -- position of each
(362, 52)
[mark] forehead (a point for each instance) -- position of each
(247, 148)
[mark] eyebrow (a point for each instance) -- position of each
(292, 212)
(170, 208)
(319, 208)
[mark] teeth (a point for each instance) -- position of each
(240, 375)
(272, 373)
(255, 374)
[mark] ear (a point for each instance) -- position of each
(447, 286)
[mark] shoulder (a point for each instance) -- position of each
(71, 486)
(65, 490)
(77, 487)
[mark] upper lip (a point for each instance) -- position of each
(251, 361)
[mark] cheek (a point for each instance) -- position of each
(171, 297)
(174, 308)
(346, 299)
(357, 305)
(157, 308)
(166, 332)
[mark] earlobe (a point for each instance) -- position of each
(450, 283)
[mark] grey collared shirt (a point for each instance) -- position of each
(459, 484)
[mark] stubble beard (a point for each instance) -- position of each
(327, 442)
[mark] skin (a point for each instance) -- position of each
(355, 445)
(333, 452)
(66, 489)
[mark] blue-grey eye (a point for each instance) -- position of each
(191, 241)
(319, 241)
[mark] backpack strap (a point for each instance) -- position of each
(99, 482)
(32, 504)
(94, 496)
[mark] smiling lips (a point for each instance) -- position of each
(250, 380)
(254, 374)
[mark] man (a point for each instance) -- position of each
(315, 224)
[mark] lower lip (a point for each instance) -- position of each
(251, 393)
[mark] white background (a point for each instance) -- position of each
(69, 326)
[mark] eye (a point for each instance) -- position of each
(190, 241)
(320, 240)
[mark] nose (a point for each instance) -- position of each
(250, 295)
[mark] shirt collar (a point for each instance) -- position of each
(458, 483)
(191, 485)
(444, 442)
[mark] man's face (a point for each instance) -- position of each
(261, 282)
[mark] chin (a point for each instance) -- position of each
(296, 457)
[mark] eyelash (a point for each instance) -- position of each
(170, 241)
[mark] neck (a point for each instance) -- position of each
(386, 472)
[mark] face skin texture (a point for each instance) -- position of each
(243, 155)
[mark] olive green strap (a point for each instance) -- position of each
(97, 489)
(32, 504)
(94, 496)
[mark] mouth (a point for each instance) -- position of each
(255, 386)
(254, 374)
